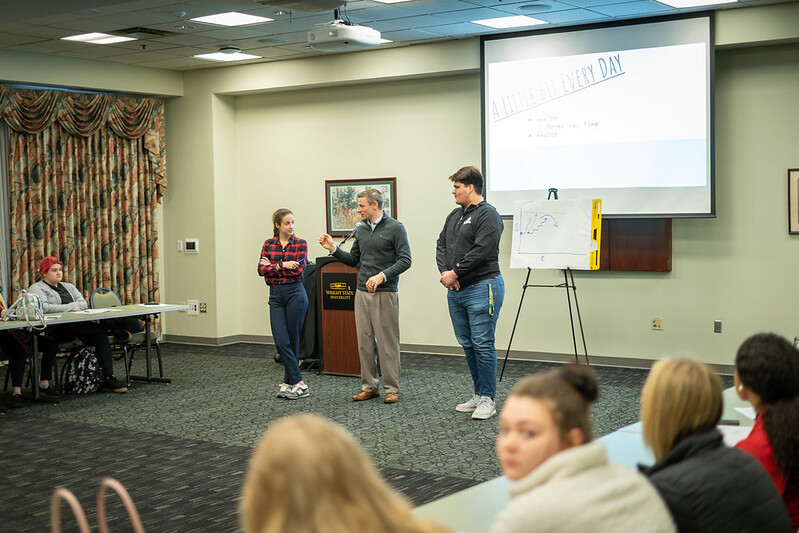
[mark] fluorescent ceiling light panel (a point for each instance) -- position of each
(222, 56)
(232, 18)
(98, 38)
(502, 23)
(695, 3)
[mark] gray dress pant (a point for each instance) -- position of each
(377, 324)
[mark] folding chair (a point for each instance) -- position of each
(103, 297)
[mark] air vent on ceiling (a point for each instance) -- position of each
(144, 33)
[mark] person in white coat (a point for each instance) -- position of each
(562, 480)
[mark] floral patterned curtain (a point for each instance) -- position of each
(86, 172)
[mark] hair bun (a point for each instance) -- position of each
(582, 379)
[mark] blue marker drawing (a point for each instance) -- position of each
(551, 234)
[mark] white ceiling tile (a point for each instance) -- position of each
(49, 46)
(9, 39)
(462, 29)
(44, 32)
(230, 34)
(185, 40)
(93, 52)
(410, 35)
(642, 7)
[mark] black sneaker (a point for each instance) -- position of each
(114, 385)
(16, 401)
(49, 394)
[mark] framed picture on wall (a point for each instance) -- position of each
(342, 202)
(793, 201)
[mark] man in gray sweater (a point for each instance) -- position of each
(381, 252)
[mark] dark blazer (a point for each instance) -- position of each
(709, 487)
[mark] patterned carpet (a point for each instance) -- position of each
(181, 449)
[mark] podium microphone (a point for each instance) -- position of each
(348, 237)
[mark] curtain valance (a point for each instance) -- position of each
(32, 110)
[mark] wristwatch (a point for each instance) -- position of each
(280, 265)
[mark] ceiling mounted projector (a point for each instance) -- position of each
(303, 5)
(340, 36)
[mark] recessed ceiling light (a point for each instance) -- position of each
(98, 38)
(502, 23)
(232, 18)
(222, 56)
(695, 3)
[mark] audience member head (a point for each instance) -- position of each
(51, 270)
(309, 475)
(277, 219)
(766, 369)
(544, 415)
(470, 175)
(680, 397)
(767, 375)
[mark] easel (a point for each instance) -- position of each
(568, 283)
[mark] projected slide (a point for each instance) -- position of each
(638, 117)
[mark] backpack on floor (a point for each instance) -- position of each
(82, 373)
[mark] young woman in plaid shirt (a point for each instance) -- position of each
(282, 264)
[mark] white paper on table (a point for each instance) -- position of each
(96, 311)
(748, 412)
(734, 434)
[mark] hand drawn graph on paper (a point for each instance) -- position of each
(551, 234)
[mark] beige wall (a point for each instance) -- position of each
(243, 141)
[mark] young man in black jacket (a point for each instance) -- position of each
(467, 254)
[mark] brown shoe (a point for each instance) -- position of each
(366, 395)
(391, 397)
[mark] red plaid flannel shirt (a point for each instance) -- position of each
(272, 250)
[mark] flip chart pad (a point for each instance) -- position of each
(556, 234)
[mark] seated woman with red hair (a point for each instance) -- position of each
(58, 296)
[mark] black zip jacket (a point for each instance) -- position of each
(710, 488)
(469, 243)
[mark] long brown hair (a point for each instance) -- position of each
(309, 475)
(680, 397)
(277, 219)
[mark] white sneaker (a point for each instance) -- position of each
(297, 391)
(284, 387)
(469, 405)
(485, 409)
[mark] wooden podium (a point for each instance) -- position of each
(337, 336)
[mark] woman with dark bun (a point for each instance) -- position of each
(562, 480)
(707, 486)
(767, 376)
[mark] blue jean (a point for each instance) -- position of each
(474, 327)
(287, 307)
